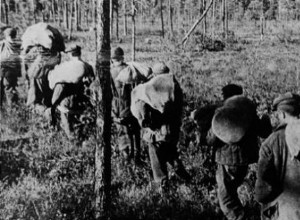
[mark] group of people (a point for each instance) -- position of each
(149, 107)
(56, 90)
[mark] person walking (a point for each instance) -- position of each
(71, 81)
(277, 187)
(234, 136)
(10, 68)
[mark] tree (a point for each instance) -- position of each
(125, 18)
(171, 19)
(162, 19)
(133, 28)
(103, 148)
(5, 11)
(111, 16)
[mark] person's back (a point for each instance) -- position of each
(234, 136)
(10, 68)
(127, 126)
(277, 186)
(70, 97)
(157, 105)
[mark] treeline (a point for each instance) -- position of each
(172, 15)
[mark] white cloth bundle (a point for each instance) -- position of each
(156, 93)
(68, 72)
(135, 72)
(43, 34)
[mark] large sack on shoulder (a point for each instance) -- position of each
(231, 122)
(292, 136)
(157, 92)
(68, 72)
(43, 34)
(134, 73)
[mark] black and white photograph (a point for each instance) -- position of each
(150, 110)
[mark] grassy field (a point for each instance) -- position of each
(44, 176)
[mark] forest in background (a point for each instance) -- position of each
(174, 16)
(49, 178)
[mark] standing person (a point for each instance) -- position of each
(39, 93)
(71, 81)
(129, 137)
(157, 105)
(234, 156)
(10, 68)
(277, 186)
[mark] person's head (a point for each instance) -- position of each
(117, 56)
(287, 107)
(74, 51)
(10, 33)
(160, 68)
(231, 90)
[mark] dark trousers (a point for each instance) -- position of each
(8, 92)
(229, 178)
(39, 92)
(162, 153)
(129, 139)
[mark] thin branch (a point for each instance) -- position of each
(184, 40)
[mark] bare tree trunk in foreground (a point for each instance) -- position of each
(103, 148)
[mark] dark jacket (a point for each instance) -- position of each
(277, 185)
(245, 151)
(165, 127)
(121, 94)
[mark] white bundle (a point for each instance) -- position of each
(68, 72)
(135, 72)
(156, 93)
(43, 34)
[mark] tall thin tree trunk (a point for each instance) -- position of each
(65, 12)
(204, 19)
(70, 20)
(79, 15)
(76, 16)
(6, 11)
(53, 11)
(33, 12)
(171, 19)
(133, 29)
(94, 14)
(162, 19)
(213, 19)
(226, 18)
(60, 11)
(223, 16)
(125, 18)
(86, 15)
(103, 148)
(117, 19)
(111, 16)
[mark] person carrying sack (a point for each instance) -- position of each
(128, 129)
(234, 135)
(157, 105)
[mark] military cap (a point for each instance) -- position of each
(231, 90)
(117, 53)
(288, 102)
(74, 48)
(10, 32)
(160, 68)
